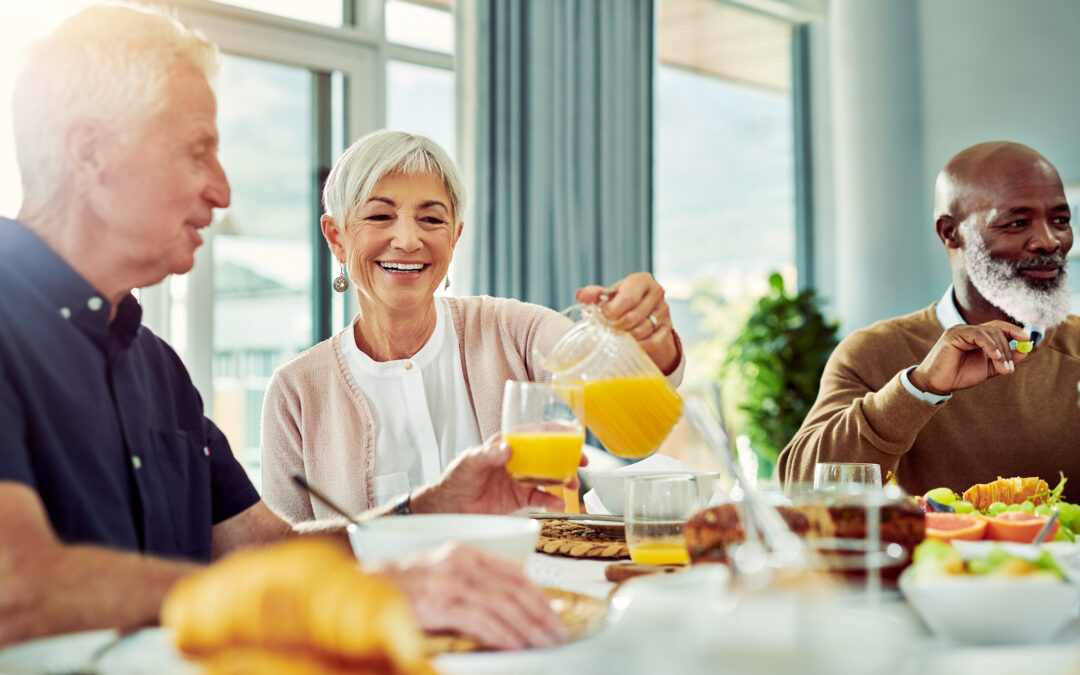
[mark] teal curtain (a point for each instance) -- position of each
(564, 146)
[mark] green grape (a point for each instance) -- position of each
(941, 495)
(962, 507)
(1027, 507)
(1069, 514)
(996, 508)
(1064, 534)
(1013, 507)
(1043, 510)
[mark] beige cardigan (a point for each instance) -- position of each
(316, 422)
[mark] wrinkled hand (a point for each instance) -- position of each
(630, 303)
(461, 589)
(965, 356)
(477, 482)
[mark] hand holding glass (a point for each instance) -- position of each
(844, 476)
(657, 506)
(542, 424)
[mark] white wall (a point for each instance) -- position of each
(909, 85)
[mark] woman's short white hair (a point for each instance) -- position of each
(109, 63)
(383, 152)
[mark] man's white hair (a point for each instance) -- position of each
(379, 153)
(108, 63)
(1000, 282)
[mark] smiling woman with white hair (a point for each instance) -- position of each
(415, 379)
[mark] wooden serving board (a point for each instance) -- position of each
(581, 614)
(560, 537)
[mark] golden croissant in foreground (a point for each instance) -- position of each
(300, 607)
(1014, 490)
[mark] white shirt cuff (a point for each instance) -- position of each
(934, 399)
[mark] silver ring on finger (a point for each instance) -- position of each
(655, 323)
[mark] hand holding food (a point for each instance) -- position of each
(458, 589)
(477, 482)
(965, 356)
(636, 305)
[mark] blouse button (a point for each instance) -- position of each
(408, 365)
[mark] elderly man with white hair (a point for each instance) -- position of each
(113, 483)
(948, 396)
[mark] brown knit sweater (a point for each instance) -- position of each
(1023, 424)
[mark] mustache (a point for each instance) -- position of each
(1057, 259)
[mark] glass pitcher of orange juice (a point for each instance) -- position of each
(629, 404)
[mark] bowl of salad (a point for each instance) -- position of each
(996, 598)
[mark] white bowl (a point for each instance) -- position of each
(610, 486)
(992, 609)
(387, 538)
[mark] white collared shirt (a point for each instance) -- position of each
(422, 413)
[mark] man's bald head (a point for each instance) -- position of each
(978, 175)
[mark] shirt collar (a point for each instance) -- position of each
(73, 296)
(948, 315)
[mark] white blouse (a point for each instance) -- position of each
(423, 417)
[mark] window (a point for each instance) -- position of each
(326, 12)
(409, 83)
(426, 24)
(725, 169)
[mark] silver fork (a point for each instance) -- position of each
(92, 663)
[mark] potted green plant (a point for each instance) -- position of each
(779, 357)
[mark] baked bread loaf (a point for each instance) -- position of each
(304, 603)
(710, 533)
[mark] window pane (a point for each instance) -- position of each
(421, 25)
(262, 243)
(725, 173)
(420, 100)
(327, 12)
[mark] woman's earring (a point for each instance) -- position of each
(447, 284)
(341, 281)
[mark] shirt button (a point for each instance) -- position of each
(408, 365)
(65, 312)
(136, 462)
(94, 303)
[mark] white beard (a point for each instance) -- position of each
(1002, 284)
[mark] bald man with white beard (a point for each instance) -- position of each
(943, 397)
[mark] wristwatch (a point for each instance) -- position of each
(401, 506)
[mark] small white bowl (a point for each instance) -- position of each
(392, 537)
(610, 486)
(992, 609)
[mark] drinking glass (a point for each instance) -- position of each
(846, 476)
(542, 424)
(656, 508)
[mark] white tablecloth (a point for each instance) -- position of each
(685, 623)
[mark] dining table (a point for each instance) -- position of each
(693, 621)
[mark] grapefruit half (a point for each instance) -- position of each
(946, 526)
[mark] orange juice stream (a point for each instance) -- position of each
(544, 457)
(631, 415)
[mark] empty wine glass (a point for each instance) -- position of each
(846, 476)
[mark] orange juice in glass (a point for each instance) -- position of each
(657, 506)
(543, 426)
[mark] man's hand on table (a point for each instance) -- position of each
(456, 588)
(477, 482)
(965, 356)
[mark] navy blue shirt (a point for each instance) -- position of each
(102, 419)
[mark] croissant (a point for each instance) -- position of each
(306, 601)
(1014, 490)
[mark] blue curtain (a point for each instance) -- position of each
(564, 146)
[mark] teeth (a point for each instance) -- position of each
(402, 267)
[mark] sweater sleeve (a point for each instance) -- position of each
(283, 454)
(852, 421)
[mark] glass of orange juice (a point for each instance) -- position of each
(542, 424)
(657, 506)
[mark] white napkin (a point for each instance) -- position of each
(654, 463)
